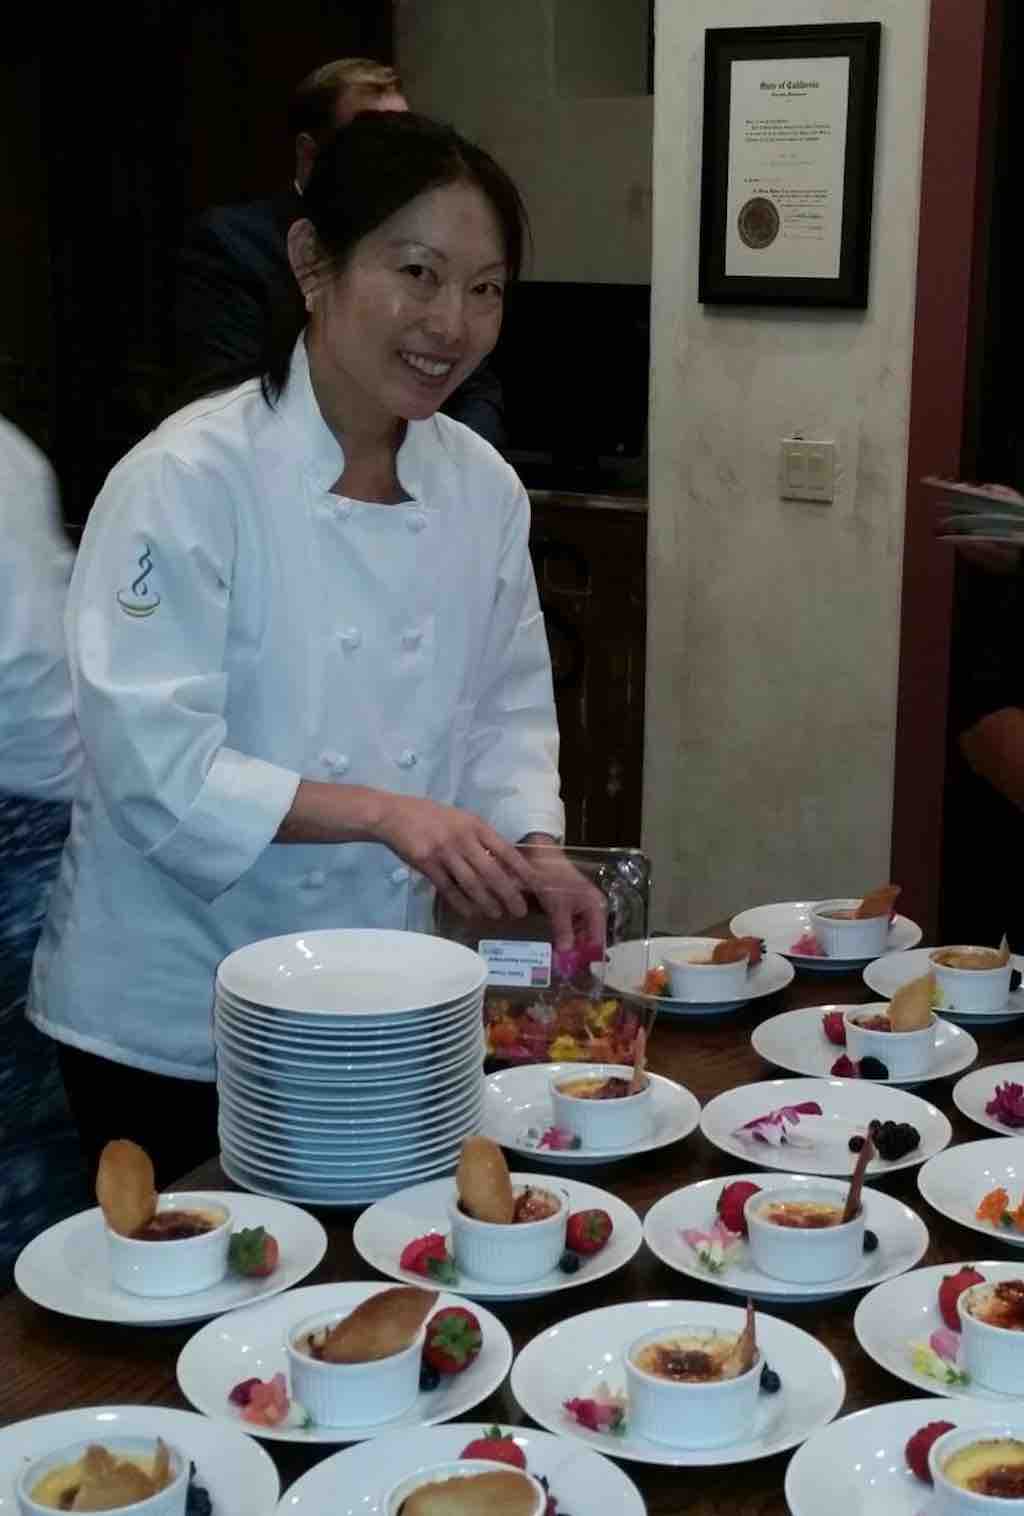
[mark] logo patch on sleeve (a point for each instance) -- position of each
(140, 599)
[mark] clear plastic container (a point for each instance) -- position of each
(543, 1005)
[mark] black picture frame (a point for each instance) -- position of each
(860, 42)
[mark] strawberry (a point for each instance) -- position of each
(950, 1290)
(496, 1447)
(253, 1252)
(917, 1449)
(731, 1202)
(845, 1068)
(834, 1027)
(588, 1231)
(429, 1256)
(453, 1340)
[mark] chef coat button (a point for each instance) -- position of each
(350, 638)
(335, 763)
(399, 875)
(416, 521)
(316, 879)
(412, 638)
(407, 758)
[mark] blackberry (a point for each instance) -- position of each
(856, 1143)
(873, 1068)
(430, 1377)
(770, 1381)
(569, 1262)
(197, 1499)
(870, 1241)
(1015, 978)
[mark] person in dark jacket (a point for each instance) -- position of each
(233, 272)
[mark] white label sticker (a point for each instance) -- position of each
(523, 964)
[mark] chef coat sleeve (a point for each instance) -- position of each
(40, 750)
(510, 772)
(147, 633)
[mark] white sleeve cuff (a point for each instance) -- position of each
(235, 816)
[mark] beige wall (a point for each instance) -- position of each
(773, 626)
(583, 165)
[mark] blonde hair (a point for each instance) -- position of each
(315, 101)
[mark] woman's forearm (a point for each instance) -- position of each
(333, 813)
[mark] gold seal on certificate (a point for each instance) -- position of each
(758, 222)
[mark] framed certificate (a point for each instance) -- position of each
(788, 164)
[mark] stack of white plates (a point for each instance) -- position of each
(348, 1062)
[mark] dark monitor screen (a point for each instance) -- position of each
(573, 362)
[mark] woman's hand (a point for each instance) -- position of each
(470, 865)
(576, 908)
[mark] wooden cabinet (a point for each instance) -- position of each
(590, 557)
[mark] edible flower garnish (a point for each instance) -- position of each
(776, 1127)
(266, 1402)
(571, 963)
(1007, 1104)
(656, 980)
(807, 946)
(558, 1140)
(601, 1412)
(995, 1209)
(936, 1358)
(715, 1248)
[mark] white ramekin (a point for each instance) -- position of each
(351, 1394)
(804, 1255)
(167, 1502)
(703, 983)
(853, 937)
(971, 989)
(603, 1124)
(460, 1468)
(690, 1415)
(948, 1499)
(905, 1054)
(513, 1252)
(173, 1268)
(993, 1356)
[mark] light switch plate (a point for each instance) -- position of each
(807, 470)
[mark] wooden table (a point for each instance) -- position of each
(52, 1362)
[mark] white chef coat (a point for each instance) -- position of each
(40, 751)
(233, 626)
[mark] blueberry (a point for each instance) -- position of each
(855, 1144)
(870, 1241)
(873, 1068)
(569, 1262)
(1015, 978)
(430, 1377)
(770, 1381)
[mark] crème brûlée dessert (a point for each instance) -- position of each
(503, 1493)
(101, 1481)
(385, 1324)
(972, 958)
(802, 1215)
(700, 1357)
(992, 1466)
(485, 1188)
(879, 902)
(999, 1305)
(595, 1087)
(174, 1225)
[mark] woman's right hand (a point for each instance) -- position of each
(470, 865)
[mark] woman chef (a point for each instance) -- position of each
(303, 613)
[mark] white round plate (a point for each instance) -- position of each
(782, 924)
(905, 1310)
(355, 1482)
(574, 1357)
(847, 1105)
(628, 962)
(796, 1040)
(326, 1194)
(902, 1241)
(352, 971)
(517, 1111)
(382, 1232)
(240, 1477)
(887, 975)
(250, 1344)
(67, 1267)
(856, 1466)
(954, 1183)
(972, 1094)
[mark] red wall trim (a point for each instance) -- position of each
(953, 213)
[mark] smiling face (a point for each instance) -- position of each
(414, 310)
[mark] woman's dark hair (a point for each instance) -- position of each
(365, 173)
